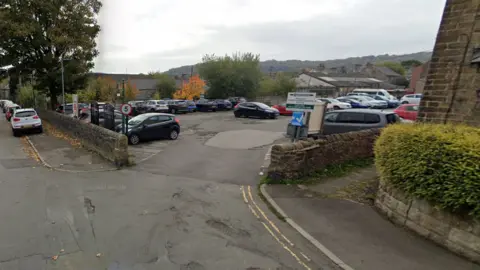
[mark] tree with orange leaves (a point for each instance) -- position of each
(191, 89)
(131, 91)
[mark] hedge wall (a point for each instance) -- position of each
(438, 163)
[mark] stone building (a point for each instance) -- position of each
(452, 88)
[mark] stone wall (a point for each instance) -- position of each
(296, 160)
(110, 145)
(458, 235)
(450, 92)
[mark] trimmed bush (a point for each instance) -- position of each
(438, 163)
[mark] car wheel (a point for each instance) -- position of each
(405, 102)
(336, 108)
(173, 111)
(214, 110)
(236, 115)
(15, 133)
(134, 139)
(40, 130)
(152, 110)
(173, 134)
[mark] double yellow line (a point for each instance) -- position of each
(270, 226)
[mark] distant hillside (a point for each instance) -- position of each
(298, 65)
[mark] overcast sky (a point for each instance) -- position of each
(156, 35)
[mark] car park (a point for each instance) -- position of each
(357, 119)
(24, 120)
(407, 111)
(255, 109)
(334, 104)
(205, 105)
(151, 126)
(411, 99)
(282, 109)
(177, 106)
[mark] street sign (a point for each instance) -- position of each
(75, 105)
(297, 119)
(301, 101)
(126, 109)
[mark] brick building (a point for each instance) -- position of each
(452, 88)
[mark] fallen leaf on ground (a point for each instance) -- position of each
(55, 257)
(99, 254)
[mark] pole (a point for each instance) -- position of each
(63, 87)
(123, 101)
(33, 91)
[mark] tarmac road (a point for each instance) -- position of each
(190, 205)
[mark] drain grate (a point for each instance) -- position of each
(17, 163)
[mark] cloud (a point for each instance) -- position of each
(279, 30)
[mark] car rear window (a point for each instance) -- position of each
(25, 114)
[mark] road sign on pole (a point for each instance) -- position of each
(301, 101)
(126, 109)
(297, 119)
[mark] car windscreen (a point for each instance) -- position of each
(25, 114)
(137, 120)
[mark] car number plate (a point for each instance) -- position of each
(27, 126)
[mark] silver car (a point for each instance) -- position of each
(373, 103)
(357, 119)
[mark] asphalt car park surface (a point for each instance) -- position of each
(215, 146)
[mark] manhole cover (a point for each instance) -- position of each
(17, 163)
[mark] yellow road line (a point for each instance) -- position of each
(286, 247)
(244, 196)
(266, 218)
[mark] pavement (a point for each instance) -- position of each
(356, 233)
(186, 205)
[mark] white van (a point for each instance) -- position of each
(375, 92)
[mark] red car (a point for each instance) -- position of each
(407, 111)
(282, 109)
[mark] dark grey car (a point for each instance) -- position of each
(357, 119)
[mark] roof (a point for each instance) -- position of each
(387, 71)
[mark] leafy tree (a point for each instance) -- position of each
(235, 75)
(106, 89)
(280, 86)
(192, 89)
(131, 91)
(36, 35)
(165, 85)
(410, 63)
(395, 66)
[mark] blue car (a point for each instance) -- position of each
(355, 104)
(391, 102)
(191, 106)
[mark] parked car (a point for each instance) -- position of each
(177, 106)
(255, 109)
(82, 107)
(205, 105)
(357, 119)
(223, 104)
(354, 103)
(156, 106)
(236, 100)
(392, 103)
(371, 102)
(411, 99)
(151, 126)
(191, 106)
(10, 110)
(334, 104)
(407, 111)
(282, 109)
(24, 120)
(5, 105)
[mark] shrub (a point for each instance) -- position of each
(438, 163)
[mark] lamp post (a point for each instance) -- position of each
(63, 86)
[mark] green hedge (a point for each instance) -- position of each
(438, 163)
